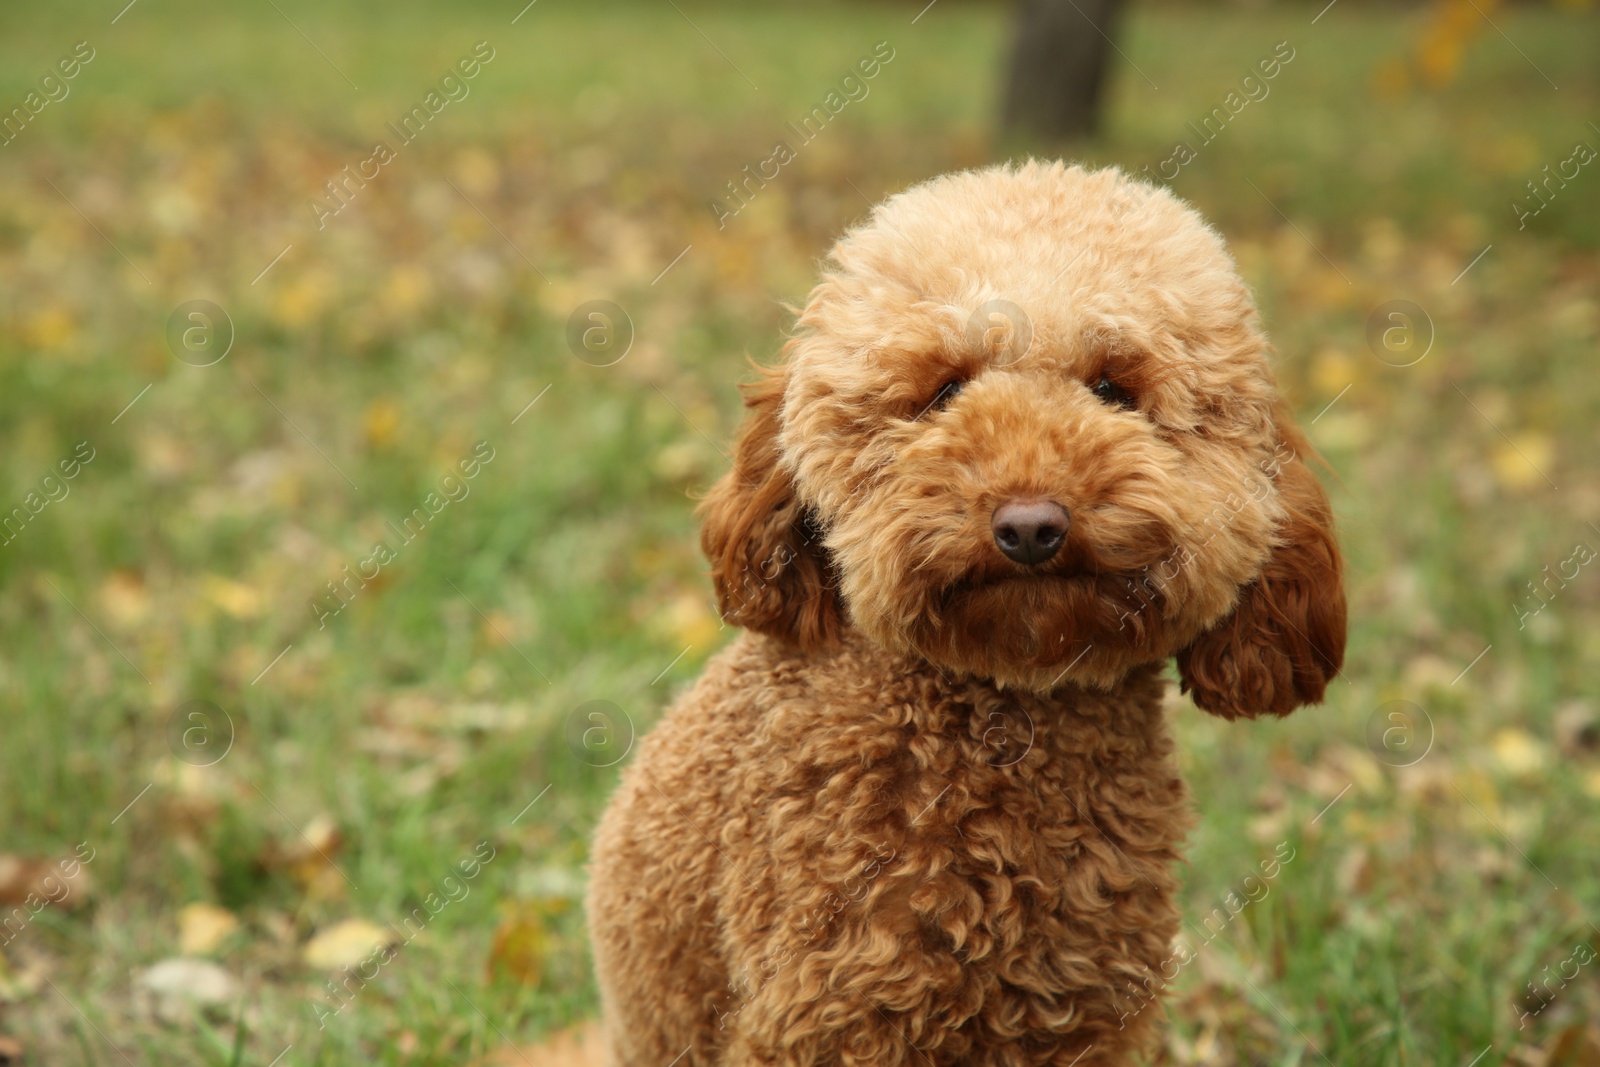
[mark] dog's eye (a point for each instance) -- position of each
(947, 392)
(1110, 392)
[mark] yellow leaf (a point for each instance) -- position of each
(235, 598)
(1518, 752)
(1331, 371)
(498, 629)
(1382, 243)
(202, 927)
(1439, 59)
(477, 171)
(309, 858)
(51, 328)
(125, 598)
(1524, 461)
(520, 945)
(687, 619)
(681, 461)
(407, 289)
(381, 421)
(301, 300)
(174, 210)
(346, 944)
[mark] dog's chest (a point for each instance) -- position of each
(981, 820)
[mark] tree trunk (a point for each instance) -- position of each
(1059, 59)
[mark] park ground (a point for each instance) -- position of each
(236, 774)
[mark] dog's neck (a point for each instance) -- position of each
(1137, 695)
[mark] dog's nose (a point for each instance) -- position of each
(1030, 531)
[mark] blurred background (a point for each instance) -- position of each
(346, 493)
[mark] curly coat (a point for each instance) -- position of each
(925, 811)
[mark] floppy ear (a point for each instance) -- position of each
(1284, 640)
(770, 570)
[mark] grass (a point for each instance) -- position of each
(427, 715)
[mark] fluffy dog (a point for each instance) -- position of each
(1023, 448)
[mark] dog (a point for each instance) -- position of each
(1023, 448)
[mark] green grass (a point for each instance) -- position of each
(429, 713)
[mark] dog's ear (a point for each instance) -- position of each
(770, 570)
(1284, 640)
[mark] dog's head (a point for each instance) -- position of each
(1026, 429)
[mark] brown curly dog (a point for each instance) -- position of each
(1023, 448)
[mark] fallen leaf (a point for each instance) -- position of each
(19, 983)
(20, 878)
(346, 944)
(51, 327)
(301, 299)
(477, 170)
(202, 927)
(1355, 871)
(1332, 371)
(1518, 752)
(1577, 729)
(180, 984)
(125, 598)
(46, 882)
(1576, 1046)
(498, 629)
(682, 462)
(687, 619)
(309, 858)
(520, 945)
(407, 289)
(381, 421)
(237, 599)
(1523, 461)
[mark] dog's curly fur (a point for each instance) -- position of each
(926, 811)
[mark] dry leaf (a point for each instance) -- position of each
(1355, 871)
(1576, 1046)
(407, 289)
(309, 858)
(498, 629)
(179, 985)
(47, 883)
(235, 598)
(346, 944)
(1524, 461)
(20, 878)
(687, 619)
(381, 422)
(125, 599)
(1518, 752)
(51, 327)
(17, 985)
(202, 927)
(520, 945)
(1577, 729)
